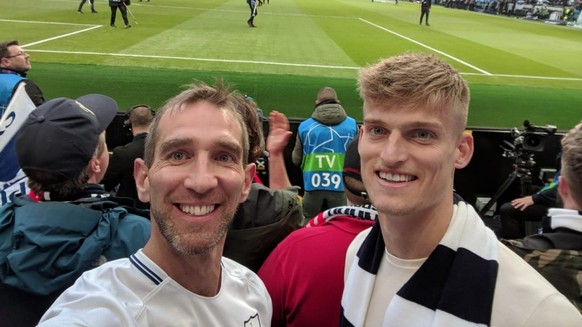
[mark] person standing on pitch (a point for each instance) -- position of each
(254, 12)
(425, 10)
(122, 5)
(92, 2)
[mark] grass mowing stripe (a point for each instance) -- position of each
(320, 33)
(427, 47)
(491, 105)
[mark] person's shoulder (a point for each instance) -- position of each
(242, 275)
(518, 282)
(110, 285)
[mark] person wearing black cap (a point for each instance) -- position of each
(304, 274)
(119, 175)
(319, 150)
(68, 224)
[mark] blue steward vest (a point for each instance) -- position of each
(324, 148)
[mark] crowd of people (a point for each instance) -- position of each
(175, 228)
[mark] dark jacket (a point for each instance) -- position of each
(120, 170)
(45, 246)
(425, 5)
(260, 223)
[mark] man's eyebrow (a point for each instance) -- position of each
(221, 144)
(174, 143)
(414, 125)
(229, 145)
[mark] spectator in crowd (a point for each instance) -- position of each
(319, 151)
(194, 175)
(430, 261)
(91, 2)
(425, 10)
(304, 274)
(119, 175)
(268, 214)
(514, 214)
(122, 6)
(68, 224)
(557, 252)
(14, 65)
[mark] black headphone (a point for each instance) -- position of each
(127, 121)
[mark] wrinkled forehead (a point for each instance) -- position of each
(200, 116)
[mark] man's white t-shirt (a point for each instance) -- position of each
(137, 292)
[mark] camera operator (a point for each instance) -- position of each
(533, 207)
(515, 213)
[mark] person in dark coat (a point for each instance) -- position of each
(120, 172)
(425, 10)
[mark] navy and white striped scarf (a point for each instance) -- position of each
(453, 287)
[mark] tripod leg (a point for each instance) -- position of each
(510, 179)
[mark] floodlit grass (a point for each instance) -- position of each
(516, 69)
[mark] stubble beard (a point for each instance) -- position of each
(194, 241)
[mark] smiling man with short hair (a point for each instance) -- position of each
(195, 173)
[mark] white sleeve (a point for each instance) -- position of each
(87, 304)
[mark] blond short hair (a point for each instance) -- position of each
(418, 79)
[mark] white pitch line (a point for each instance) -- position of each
(61, 36)
(128, 55)
(91, 27)
(197, 59)
(426, 46)
(39, 22)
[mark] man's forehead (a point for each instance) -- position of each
(14, 47)
(209, 118)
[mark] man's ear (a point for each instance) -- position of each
(250, 172)
(464, 150)
(142, 182)
(563, 188)
(95, 165)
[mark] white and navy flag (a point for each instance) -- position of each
(12, 178)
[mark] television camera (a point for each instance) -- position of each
(526, 142)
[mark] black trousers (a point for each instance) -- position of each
(83, 3)
(513, 220)
(123, 10)
(424, 12)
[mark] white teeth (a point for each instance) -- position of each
(197, 210)
(395, 177)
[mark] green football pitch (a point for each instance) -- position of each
(516, 69)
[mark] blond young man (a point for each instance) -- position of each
(430, 261)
